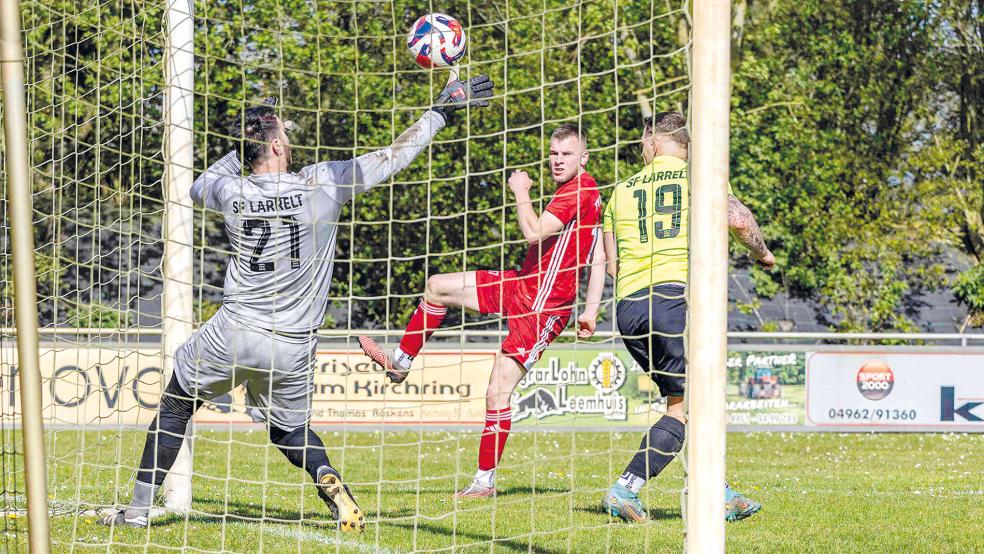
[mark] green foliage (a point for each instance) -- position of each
(94, 96)
(856, 136)
(748, 308)
(969, 289)
(98, 316)
(345, 77)
(846, 144)
(204, 310)
(329, 321)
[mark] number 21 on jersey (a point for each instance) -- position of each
(264, 229)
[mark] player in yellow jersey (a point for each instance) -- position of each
(645, 231)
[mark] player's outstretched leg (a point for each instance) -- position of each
(506, 374)
(443, 290)
(425, 320)
(396, 372)
(303, 448)
(161, 448)
(657, 450)
(737, 506)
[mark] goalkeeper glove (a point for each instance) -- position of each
(460, 94)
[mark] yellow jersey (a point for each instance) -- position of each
(649, 215)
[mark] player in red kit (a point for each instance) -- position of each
(537, 300)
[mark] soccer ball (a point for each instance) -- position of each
(436, 40)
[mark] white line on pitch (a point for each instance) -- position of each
(312, 536)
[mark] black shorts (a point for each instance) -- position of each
(652, 323)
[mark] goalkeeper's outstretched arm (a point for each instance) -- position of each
(743, 226)
(356, 176)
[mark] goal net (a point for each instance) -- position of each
(97, 124)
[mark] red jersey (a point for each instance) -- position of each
(550, 271)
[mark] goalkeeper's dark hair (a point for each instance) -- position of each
(253, 129)
(673, 124)
(569, 130)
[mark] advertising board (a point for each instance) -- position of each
(105, 386)
(583, 386)
(895, 390)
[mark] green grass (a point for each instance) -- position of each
(821, 493)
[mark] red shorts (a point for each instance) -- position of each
(502, 292)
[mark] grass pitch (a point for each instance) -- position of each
(821, 493)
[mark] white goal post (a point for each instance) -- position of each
(178, 268)
(708, 287)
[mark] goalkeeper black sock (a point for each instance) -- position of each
(164, 438)
(302, 447)
(658, 448)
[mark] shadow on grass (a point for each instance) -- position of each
(239, 511)
(654, 513)
(507, 544)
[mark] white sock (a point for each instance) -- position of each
(632, 482)
(485, 477)
(402, 359)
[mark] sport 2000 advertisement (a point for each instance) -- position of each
(896, 390)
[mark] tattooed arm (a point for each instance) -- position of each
(742, 224)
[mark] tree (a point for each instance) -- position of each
(832, 105)
(856, 139)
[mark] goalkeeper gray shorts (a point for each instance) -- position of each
(275, 369)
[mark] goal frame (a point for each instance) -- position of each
(707, 287)
(708, 279)
(21, 213)
(178, 263)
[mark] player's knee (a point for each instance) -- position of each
(674, 409)
(177, 407)
(170, 429)
(176, 401)
(501, 386)
(679, 417)
(497, 398)
(437, 288)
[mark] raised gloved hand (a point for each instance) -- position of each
(458, 95)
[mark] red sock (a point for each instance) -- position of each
(425, 320)
(497, 424)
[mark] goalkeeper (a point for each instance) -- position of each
(282, 228)
(645, 234)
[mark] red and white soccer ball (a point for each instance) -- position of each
(436, 40)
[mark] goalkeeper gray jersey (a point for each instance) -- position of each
(282, 228)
